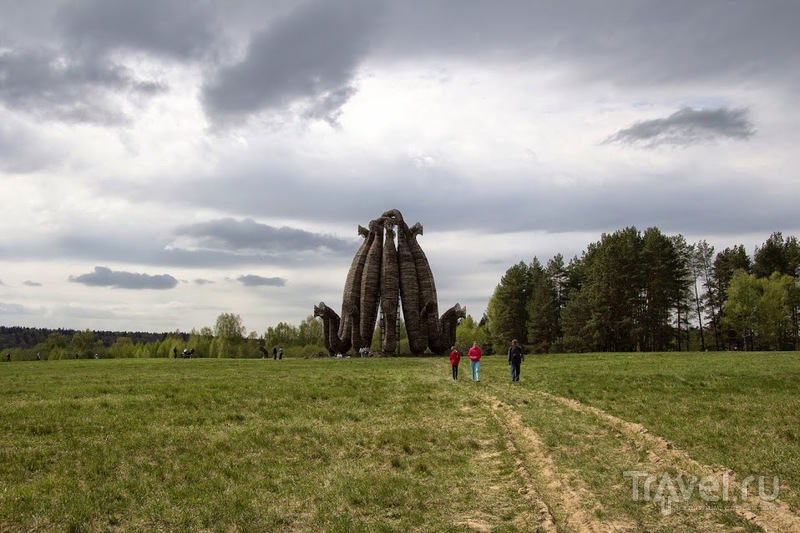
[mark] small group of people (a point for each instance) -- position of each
(187, 353)
(277, 353)
(515, 358)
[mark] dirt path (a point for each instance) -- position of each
(547, 523)
(769, 515)
(536, 468)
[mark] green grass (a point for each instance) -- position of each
(389, 444)
(740, 410)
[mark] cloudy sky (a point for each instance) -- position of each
(166, 161)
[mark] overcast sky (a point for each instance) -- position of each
(166, 161)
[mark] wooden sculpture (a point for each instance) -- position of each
(382, 275)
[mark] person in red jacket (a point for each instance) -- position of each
(455, 359)
(475, 361)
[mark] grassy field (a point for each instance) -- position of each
(392, 444)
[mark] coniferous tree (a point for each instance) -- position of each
(664, 279)
(772, 257)
(576, 323)
(508, 307)
(615, 290)
(681, 282)
(543, 311)
(559, 277)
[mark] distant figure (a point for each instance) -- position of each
(475, 355)
(174, 352)
(263, 352)
(38, 357)
(515, 359)
(280, 353)
(274, 353)
(8, 357)
(455, 359)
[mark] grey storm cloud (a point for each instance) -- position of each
(247, 235)
(310, 56)
(251, 280)
(105, 277)
(44, 83)
(168, 28)
(688, 126)
(66, 61)
(66, 71)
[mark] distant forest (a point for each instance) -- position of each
(27, 338)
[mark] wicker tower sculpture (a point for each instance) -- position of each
(383, 277)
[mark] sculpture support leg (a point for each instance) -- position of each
(371, 284)
(390, 289)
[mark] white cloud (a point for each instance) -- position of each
(484, 124)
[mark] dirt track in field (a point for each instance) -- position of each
(537, 469)
(561, 502)
(770, 516)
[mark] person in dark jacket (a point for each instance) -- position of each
(515, 358)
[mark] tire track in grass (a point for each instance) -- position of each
(547, 521)
(529, 453)
(768, 515)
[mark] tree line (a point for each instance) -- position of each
(25, 337)
(227, 338)
(630, 291)
(646, 291)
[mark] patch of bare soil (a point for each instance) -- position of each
(771, 516)
(536, 467)
(477, 525)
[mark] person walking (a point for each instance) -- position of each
(515, 358)
(475, 361)
(280, 353)
(455, 359)
(274, 353)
